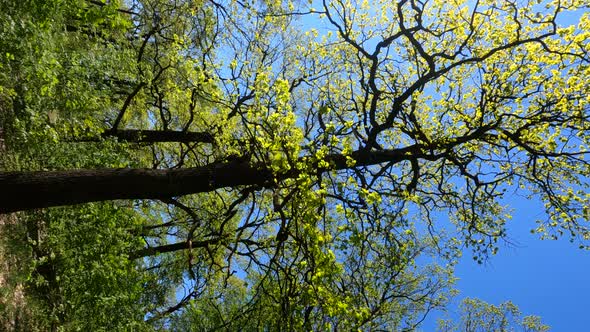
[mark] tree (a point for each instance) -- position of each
(476, 315)
(531, 115)
(301, 158)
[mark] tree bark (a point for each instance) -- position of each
(154, 136)
(184, 245)
(32, 190)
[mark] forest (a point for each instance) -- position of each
(212, 165)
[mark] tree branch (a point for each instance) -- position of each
(154, 136)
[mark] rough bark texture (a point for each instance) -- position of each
(31, 190)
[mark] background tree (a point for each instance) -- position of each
(476, 315)
(294, 162)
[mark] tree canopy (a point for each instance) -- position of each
(261, 165)
(480, 316)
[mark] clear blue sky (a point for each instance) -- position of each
(547, 278)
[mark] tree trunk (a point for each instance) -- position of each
(32, 190)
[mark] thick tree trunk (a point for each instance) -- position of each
(31, 190)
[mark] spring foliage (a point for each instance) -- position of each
(390, 133)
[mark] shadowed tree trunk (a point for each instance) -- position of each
(31, 190)
(155, 136)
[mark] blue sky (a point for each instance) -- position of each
(542, 277)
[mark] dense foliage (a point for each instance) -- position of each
(346, 154)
